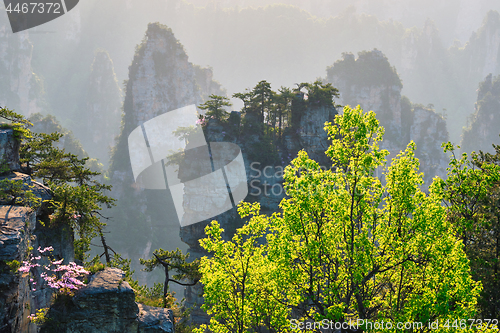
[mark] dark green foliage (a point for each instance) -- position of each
(472, 194)
(246, 98)
(17, 122)
(12, 265)
(261, 99)
(77, 196)
(14, 192)
(215, 107)
(485, 255)
(298, 108)
(320, 94)
(173, 261)
(371, 68)
(49, 125)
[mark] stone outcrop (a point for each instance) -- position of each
(16, 226)
(155, 320)
(20, 230)
(107, 304)
(9, 149)
(20, 87)
(310, 134)
(372, 83)
(161, 79)
(483, 127)
(102, 111)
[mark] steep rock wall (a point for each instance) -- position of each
(428, 131)
(161, 79)
(20, 88)
(102, 111)
(372, 83)
(484, 125)
(21, 232)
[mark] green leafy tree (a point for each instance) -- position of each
(345, 246)
(472, 195)
(17, 122)
(215, 107)
(242, 292)
(488, 245)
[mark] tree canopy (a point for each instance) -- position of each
(215, 107)
(344, 247)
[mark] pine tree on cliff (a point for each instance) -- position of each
(173, 261)
(215, 107)
(78, 196)
(262, 94)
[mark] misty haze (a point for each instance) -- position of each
(345, 215)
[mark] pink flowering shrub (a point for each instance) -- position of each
(63, 278)
(201, 121)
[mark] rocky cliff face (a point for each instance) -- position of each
(428, 131)
(484, 125)
(482, 52)
(20, 88)
(102, 111)
(471, 63)
(16, 297)
(107, 304)
(161, 79)
(49, 124)
(371, 82)
(21, 231)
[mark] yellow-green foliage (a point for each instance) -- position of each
(40, 317)
(95, 267)
(12, 191)
(13, 265)
(344, 247)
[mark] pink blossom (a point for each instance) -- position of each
(50, 248)
(63, 283)
(58, 262)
